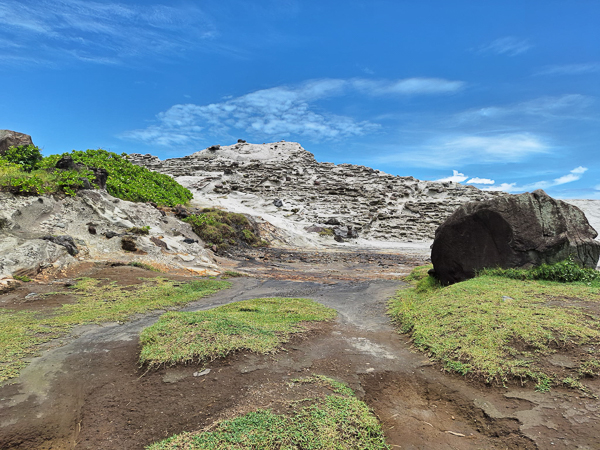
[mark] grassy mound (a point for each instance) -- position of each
(223, 229)
(24, 171)
(258, 325)
(500, 328)
(335, 421)
(21, 332)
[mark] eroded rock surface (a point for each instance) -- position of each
(285, 180)
(512, 231)
(49, 234)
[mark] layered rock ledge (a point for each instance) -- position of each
(285, 180)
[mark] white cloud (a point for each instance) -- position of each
(573, 175)
(477, 180)
(579, 169)
(279, 112)
(509, 45)
(101, 32)
(456, 177)
(570, 69)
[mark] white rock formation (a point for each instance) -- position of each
(284, 184)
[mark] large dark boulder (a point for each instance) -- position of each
(10, 138)
(517, 231)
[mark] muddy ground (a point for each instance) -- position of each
(88, 391)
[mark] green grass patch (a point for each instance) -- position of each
(498, 328)
(21, 332)
(337, 421)
(259, 325)
(224, 229)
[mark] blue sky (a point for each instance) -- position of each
(499, 94)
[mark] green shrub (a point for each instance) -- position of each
(223, 229)
(142, 231)
(128, 181)
(28, 157)
(567, 271)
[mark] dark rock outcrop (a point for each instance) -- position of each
(100, 177)
(10, 138)
(128, 244)
(66, 163)
(66, 241)
(517, 231)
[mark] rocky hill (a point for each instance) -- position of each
(285, 181)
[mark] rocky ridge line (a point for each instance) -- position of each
(287, 181)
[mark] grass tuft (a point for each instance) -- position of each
(21, 332)
(258, 325)
(338, 421)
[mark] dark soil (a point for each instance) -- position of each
(90, 392)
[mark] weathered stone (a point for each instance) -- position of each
(278, 203)
(10, 138)
(159, 243)
(517, 231)
(66, 241)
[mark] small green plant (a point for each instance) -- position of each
(145, 230)
(22, 278)
(28, 157)
(326, 232)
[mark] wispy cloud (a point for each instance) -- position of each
(564, 106)
(509, 46)
(570, 69)
(280, 112)
(463, 150)
(99, 32)
(408, 86)
(573, 175)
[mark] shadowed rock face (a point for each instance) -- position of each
(10, 138)
(513, 231)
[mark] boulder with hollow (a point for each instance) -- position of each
(516, 231)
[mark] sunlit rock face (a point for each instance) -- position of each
(283, 179)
